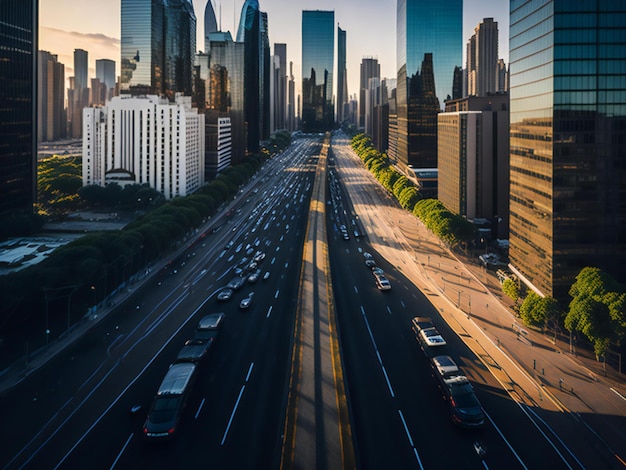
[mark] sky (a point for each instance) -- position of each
(94, 25)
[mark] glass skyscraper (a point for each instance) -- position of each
(318, 46)
(180, 47)
(142, 47)
(342, 79)
(430, 34)
(568, 145)
(18, 105)
(158, 47)
(253, 33)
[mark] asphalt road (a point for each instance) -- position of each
(74, 412)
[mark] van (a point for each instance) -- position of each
(169, 402)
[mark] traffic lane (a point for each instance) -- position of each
(389, 406)
(548, 445)
(251, 327)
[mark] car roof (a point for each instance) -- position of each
(211, 322)
(176, 379)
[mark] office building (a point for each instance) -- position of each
(180, 47)
(279, 88)
(210, 24)
(291, 101)
(429, 47)
(105, 72)
(568, 115)
(318, 61)
(18, 95)
(219, 92)
(342, 76)
(142, 47)
(137, 140)
(370, 68)
(253, 33)
(218, 146)
(50, 98)
(482, 59)
(473, 157)
(78, 95)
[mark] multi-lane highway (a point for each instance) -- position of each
(75, 411)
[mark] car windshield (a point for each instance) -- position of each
(164, 409)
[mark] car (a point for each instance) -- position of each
(382, 282)
(266, 276)
(345, 235)
(419, 323)
(239, 247)
(367, 255)
(444, 367)
(370, 263)
(246, 301)
(377, 270)
(253, 277)
(249, 251)
(465, 409)
(194, 350)
(225, 294)
(230, 244)
(211, 321)
(252, 266)
(430, 337)
(356, 234)
(236, 283)
(259, 256)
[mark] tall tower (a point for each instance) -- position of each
(250, 32)
(342, 78)
(180, 47)
(568, 115)
(78, 96)
(291, 100)
(482, 59)
(18, 95)
(370, 68)
(142, 47)
(424, 27)
(318, 60)
(280, 94)
(105, 72)
(210, 24)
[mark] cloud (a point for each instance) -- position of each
(62, 43)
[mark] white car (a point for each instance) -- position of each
(382, 282)
(431, 337)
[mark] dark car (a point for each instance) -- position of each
(225, 294)
(194, 350)
(236, 283)
(465, 409)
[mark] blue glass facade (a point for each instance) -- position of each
(253, 33)
(158, 47)
(568, 150)
(318, 60)
(18, 105)
(142, 47)
(424, 28)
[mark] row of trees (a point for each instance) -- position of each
(451, 228)
(597, 309)
(99, 263)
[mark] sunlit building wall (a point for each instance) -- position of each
(568, 121)
(137, 140)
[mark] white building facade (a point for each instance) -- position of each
(145, 139)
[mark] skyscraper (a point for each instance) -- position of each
(318, 60)
(279, 103)
(370, 68)
(210, 24)
(428, 35)
(568, 115)
(78, 94)
(251, 31)
(180, 47)
(291, 101)
(18, 95)
(482, 59)
(142, 47)
(342, 78)
(50, 98)
(105, 72)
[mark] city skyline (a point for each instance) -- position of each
(68, 24)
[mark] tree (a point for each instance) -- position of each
(510, 288)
